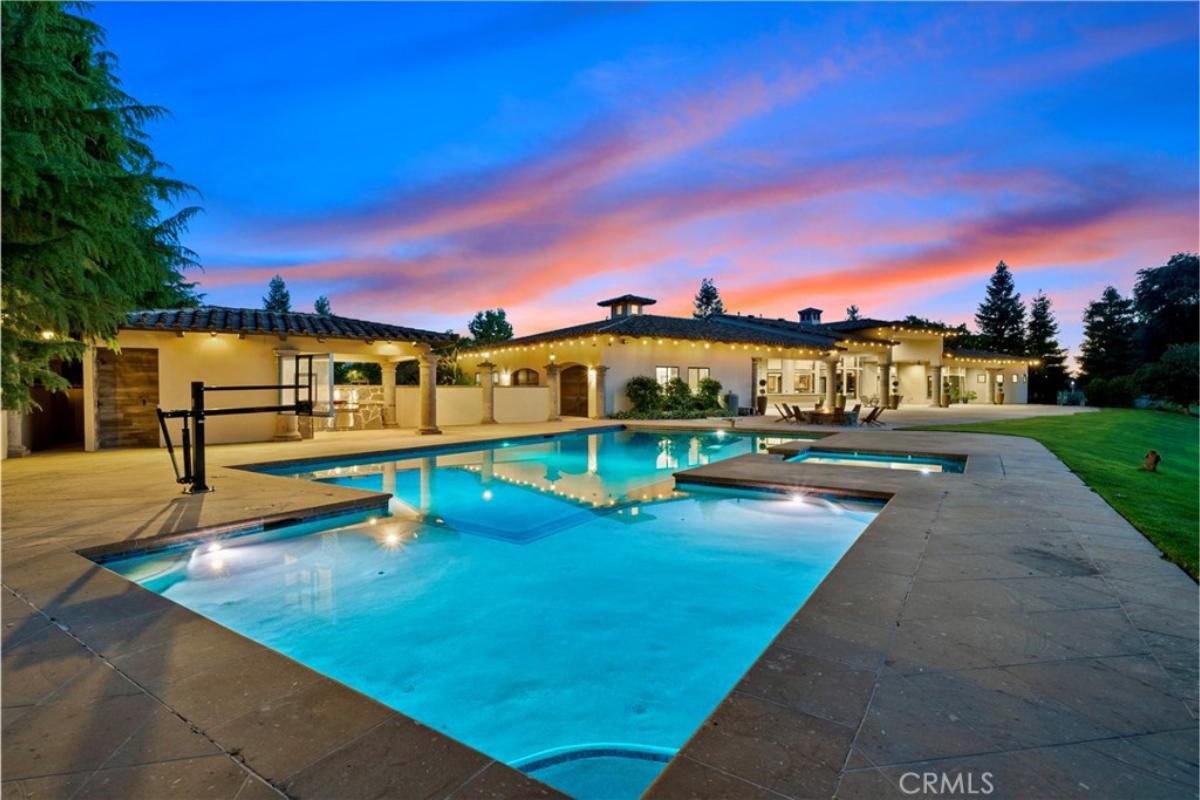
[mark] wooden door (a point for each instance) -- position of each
(127, 394)
(574, 386)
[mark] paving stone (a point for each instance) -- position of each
(39, 664)
(825, 689)
(78, 732)
(999, 597)
(938, 715)
(255, 789)
(213, 776)
(500, 782)
(685, 779)
(216, 696)
(857, 645)
(50, 787)
(279, 737)
(398, 758)
(783, 750)
(964, 642)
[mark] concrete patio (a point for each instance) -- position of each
(1004, 620)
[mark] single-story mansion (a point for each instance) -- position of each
(575, 371)
(870, 361)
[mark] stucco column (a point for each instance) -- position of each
(596, 409)
(18, 434)
(487, 386)
(885, 383)
(287, 426)
(553, 411)
(936, 370)
(830, 380)
(388, 369)
(427, 393)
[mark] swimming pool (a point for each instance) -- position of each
(556, 604)
(916, 463)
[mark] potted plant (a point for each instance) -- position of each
(969, 396)
(760, 402)
(894, 400)
(945, 403)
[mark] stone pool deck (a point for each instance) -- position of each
(1005, 620)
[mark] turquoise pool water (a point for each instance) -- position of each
(556, 604)
(926, 464)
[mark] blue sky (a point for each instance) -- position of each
(418, 162)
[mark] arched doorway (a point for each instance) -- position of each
(574, 385)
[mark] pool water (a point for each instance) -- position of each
(925, 464)
(556, 604)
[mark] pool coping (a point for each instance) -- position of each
(847, 625)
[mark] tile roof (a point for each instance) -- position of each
(654, 326)
(257, 321)
(804, 328)
(628, 298)
(860, 324)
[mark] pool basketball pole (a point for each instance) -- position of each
(194, 474)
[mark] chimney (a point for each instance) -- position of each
(810, 316)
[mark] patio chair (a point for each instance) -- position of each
(801, 416)
(785, 413)
(852, 417)
(818, 405)
(871, 416)
(874, 420)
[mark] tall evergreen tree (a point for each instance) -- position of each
(321, 306)
(1001, 316)
(1109, 346)
(852, 313)
(1167, 301)
(84, 241)
(708, 300)
(278, 298)
(1041, 342)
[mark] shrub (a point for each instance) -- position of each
(1174, 378)
(709, 393)
(677, 396)
(644, 393)
(1118, 392)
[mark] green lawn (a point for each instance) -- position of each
(1105, 449)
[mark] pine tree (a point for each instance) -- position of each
(1001, 316)
(852, 313)
(321, 306)
(84, 241)
(1041, 342)
(1109, 331)
(708, 300)
(278, 298)
(1167, 300)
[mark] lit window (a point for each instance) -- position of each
(802, 382)
(774, 363)
(525, 377)
(1014, 377)
(695, 375)
(774, 382)
(665, 374)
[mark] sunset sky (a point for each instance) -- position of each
(417, 163)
